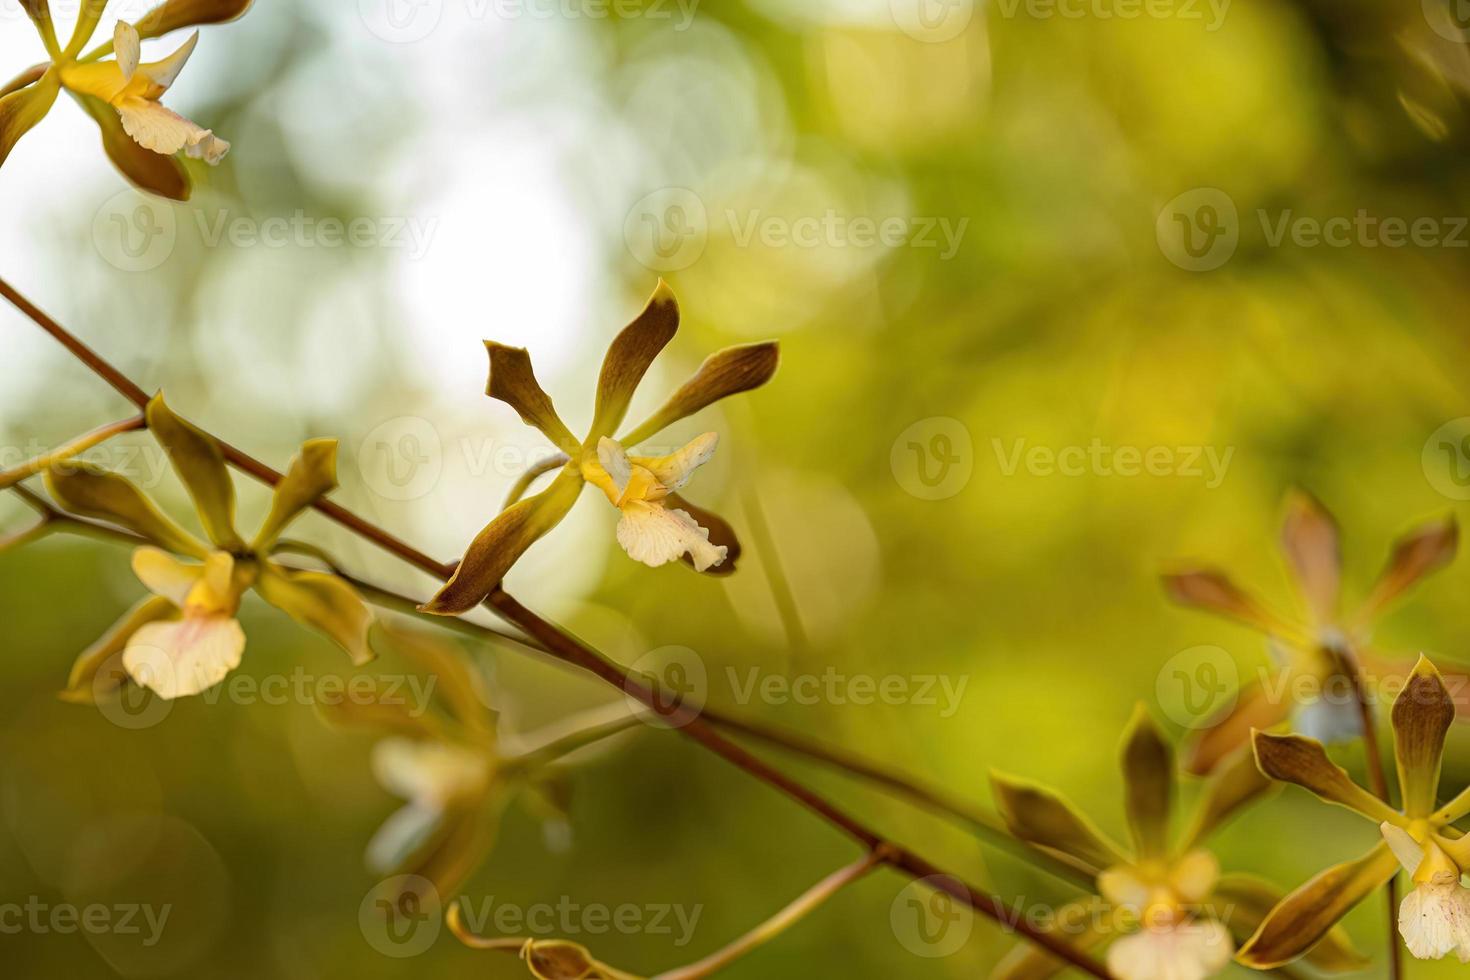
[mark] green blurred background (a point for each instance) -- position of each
(553, 164)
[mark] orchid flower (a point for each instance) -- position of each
(655, 524)
(1434, 918)
(186, 638)
(1313, 646)
(139, 134)
(1176, 917)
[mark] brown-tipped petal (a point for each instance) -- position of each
(513, 382)
(1310, 539)
(628, 359)
(99, 670)
(89, 491)
(200, 464)
(320, 602)
(1422, 715)
(173, 15)
(1212, 591)
(1084, 925)
(1242, 902)
(156, 173)
(721, 534)
(21, 110)
(1255, 706)
(39, 11)
(1041, 817)
(1421, 552)
(1236, 783)
(724, 373)
(1148, 779)
(1303, 761)
(311, 475)
(501, 544)
(1307, 915)
(459, 686)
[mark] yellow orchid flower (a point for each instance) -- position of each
(1434, 918)
(185, 639)
(1170, 912)
(1310, 647)
(139, 135)
(656, 525)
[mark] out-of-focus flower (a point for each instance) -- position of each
(1169, 911)
(185, 638)
(1434, 918)
(656, 524)
(140, 135)
(1313, 684)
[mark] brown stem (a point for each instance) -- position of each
(572, 651)
(69, 449)
(1379, 783)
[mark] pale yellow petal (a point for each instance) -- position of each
(177, 659)
(163, 73)
(162, 130)
(1187, 951)
(654, 534)
(675, 469)
(164, 575)
(129, 48)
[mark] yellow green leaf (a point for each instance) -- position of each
(89, 491)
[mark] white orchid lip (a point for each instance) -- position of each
(1434, 917)
(648, 530)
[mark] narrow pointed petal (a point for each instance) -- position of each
(89, 491)
(1307, 915)
(173, 15)
(21, 110)
(39, 11)
(1422, 715)
(164, 72)
(1418, 554)
(1293, 759)
(1255, 706)
(183, 657)
(721, 534)
(1148, 778)
(629, 357)
(200, 463)
(676, 469)
(99, 672)
(724, 373)
(1408, 851)
(311, 476)
(1236, 784)
(88, 14)
(1243, 902)
(1041, 817)
(513, 382)
(1310, 539)
(156, 173)
(323, 603)
(1212, 591)
(502, 543)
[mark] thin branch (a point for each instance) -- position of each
(811, 900)
(573, 651)
(524, 481)
(70, 449)
(1379, 781)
